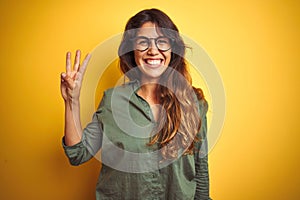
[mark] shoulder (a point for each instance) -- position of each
(123, 91)
(126, 88)
(202, 103)
(203, 107)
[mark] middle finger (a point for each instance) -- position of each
(77, 60)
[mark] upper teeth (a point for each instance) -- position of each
(153, 62)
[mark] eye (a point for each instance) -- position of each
(163, 41)
(142, 41)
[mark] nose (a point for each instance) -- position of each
(152, 50)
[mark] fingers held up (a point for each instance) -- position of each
(77, 67)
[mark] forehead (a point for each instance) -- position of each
(150, 30)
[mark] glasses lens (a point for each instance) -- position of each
(141, 43)
(163, 43)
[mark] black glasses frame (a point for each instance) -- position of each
(155, 41)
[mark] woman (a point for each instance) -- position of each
(152, 130)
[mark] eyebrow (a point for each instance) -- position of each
(150, 37)
(160, 35)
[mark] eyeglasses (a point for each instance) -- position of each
(142, 43)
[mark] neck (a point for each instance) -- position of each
(148, 92)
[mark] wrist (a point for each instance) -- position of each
(71, 103)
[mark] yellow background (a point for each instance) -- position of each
(254, 44)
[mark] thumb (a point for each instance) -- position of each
(63, 76)
(67, 80)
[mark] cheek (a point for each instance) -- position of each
(137, 57)
(168, 58)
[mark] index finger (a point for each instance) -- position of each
(68, 62)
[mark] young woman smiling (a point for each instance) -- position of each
(152, 130)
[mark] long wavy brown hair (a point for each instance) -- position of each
(179, 120)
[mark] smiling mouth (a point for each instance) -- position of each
(153, 62)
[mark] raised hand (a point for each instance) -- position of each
(71, 80)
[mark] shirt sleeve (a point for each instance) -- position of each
(201, 158)
(91, 140)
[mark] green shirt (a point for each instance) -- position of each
(131, 169)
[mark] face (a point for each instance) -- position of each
(152, 62)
